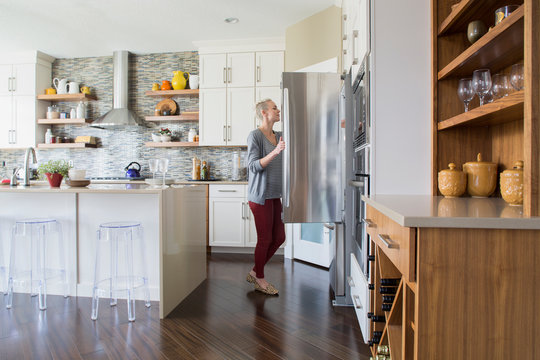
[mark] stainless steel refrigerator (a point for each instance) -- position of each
(313, 161)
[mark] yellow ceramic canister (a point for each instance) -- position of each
(512, 184)
(452, 182)
(481, 177)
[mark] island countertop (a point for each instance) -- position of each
(441, 212)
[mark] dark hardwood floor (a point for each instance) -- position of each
(224, 318)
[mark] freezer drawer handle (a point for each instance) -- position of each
(388, 242)
(369, 223)
(329, 226)
(350, 281)
(356, 300)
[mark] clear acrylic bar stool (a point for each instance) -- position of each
(120, 265)
(36, 257)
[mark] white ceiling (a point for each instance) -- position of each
(83, 28)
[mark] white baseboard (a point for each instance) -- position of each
(238, 250)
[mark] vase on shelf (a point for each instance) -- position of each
(179, 80)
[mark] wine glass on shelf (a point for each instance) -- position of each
(500, 86)
(153, 165)
(163, 166)
(481, 82)
(465, 92)
(516, 76)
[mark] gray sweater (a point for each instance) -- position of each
(263, 183)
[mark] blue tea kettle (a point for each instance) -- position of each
(132, 172)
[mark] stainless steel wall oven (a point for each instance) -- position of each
(360, 108)
(360, 182)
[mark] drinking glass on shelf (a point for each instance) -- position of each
(500, 86)
(465, 92)
(481, 82)
(163, 166)
(153, 165)
(516, 76)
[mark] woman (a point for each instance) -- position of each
(264, 191)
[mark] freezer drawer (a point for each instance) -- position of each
(360, 297)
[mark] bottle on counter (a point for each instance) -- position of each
(48, 136)
(196, 171)
(204, 171)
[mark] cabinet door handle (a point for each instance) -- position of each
(14, 136)
(224, 75)
(388, 242)
(258, 74)
(369, 223)
(226, 190)
(224, 133)
(230, 75)
(355, 58)
(13, 84)
(350, 281)
(356, 300)
(9, 83)
(230, 134)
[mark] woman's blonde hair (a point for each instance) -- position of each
(260, 106)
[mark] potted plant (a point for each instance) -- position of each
(166, 134)
(54, 170)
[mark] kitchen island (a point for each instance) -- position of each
(174, 222)
(468, 269)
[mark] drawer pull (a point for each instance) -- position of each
(388, 242)
(350, 281)
(227, 190)
(369, 223)
(356, 300)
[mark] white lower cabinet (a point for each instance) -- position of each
(360, 296)
(230, 219)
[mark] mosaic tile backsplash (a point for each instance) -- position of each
(117, 148)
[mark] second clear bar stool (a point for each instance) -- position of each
(120, 265)
(36, 257)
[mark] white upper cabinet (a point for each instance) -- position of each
(213, 70)
(241, 115)
(6, 74)
(269, 67)
(24, 79)
(213, 117)
(241, 69)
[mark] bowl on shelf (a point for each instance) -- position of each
(156, 137)
(166, 138)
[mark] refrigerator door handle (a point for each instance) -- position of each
(286, 131)
(329, 226)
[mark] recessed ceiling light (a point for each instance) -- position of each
(231, 20)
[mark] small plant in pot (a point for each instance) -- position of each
(55, 171)
(166, 134)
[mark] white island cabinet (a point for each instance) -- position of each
(174, 222)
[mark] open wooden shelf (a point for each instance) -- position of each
(171, 93)
(191, 116)
(67, 97)
(466, 11)
(171, 144)
(497, 49)
(506, 109)
(63, 121)
(66, 146)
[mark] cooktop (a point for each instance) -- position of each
(117, 178)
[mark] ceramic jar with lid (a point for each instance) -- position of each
(512, 184)
(481, 177)
(452, 182)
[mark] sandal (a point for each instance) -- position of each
(269, 290)
(250, 279)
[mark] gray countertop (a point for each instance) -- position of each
(441, 212)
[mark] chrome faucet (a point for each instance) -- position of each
(26, 179)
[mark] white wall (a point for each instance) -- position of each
(401, 97)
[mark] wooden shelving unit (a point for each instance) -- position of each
(66, 146)
(171, 93)
(507, 129)
(171, 144)
(63, 121)
(66, 97)
(191, 116)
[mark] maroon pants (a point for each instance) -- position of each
(270, 232)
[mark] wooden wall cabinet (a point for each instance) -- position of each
(507, 129)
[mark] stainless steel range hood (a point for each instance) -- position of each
(120, 115)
